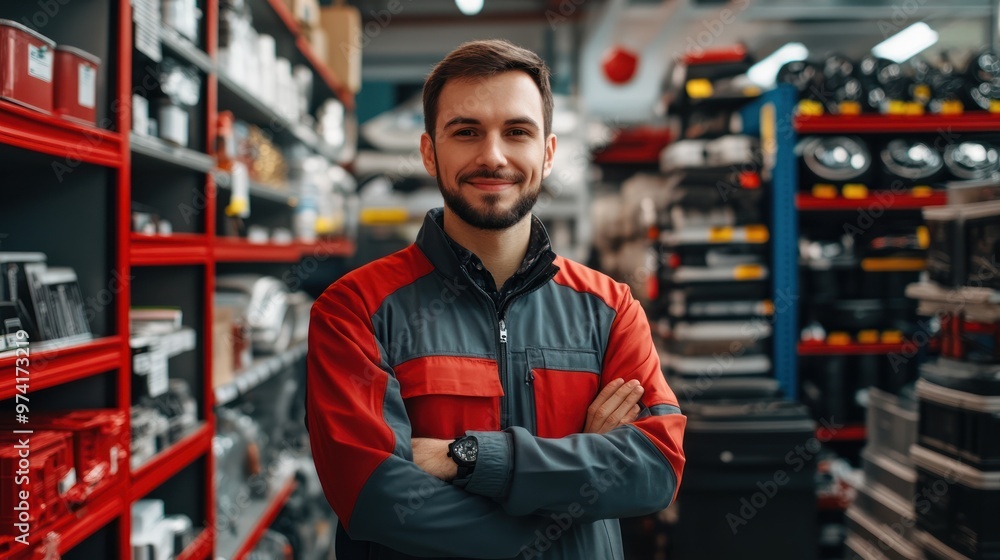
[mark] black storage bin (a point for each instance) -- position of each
(960, 412)
(887, 472)
(839, 283)
(945, 264)
(891, 425)
(935, 549)
(877, 538)
(887, 509)
(961, 504)
(746, 492)
(982, 241)
(834, 386)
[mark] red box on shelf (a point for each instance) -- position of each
(26, 64)
(101, 446)
(76, 84)
(33, 496)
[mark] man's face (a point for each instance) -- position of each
(490, 154)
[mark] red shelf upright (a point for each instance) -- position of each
(892, 124)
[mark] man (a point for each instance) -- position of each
(474, 395)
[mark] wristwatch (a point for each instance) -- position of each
(464, 451)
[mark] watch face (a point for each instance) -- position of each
(466, 449)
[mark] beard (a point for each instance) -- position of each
(491, 217)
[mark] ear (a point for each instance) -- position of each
(427, 154)
(550, 152)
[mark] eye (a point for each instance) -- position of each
(520, 132)
(465, 132)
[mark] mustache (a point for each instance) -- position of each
(496, 174)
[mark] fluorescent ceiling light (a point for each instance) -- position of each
(765, 72)
(470, 7)
(904, 45)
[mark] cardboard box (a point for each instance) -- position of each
(342, 25)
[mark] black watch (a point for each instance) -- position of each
(464, 451)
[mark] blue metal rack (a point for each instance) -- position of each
(770, 118)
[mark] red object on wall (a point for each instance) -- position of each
(76, 84)
(620, 64)
(26, 60)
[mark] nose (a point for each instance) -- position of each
(492, 156)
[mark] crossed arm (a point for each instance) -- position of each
(616, 405)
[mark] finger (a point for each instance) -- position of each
(616, 417)
(605, 410)
(601, 398)
(632, 415)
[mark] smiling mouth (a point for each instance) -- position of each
(491, 185)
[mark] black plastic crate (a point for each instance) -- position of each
(887, 472)
(960, 412)
(879, 538)
(961, 504)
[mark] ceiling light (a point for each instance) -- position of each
(470, 7)
(764, 72)
(904, 45)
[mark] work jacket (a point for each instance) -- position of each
(409, 346)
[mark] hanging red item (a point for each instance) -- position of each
(619, 64)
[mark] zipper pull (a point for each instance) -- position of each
(503, 332)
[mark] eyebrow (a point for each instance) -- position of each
(514, 121)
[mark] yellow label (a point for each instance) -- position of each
(810, 108)
(371, 216)
(855, 191)
(850, 108)
(823, 190)
(923, 237)
(751, 91)
(757, 234)
(838, 339)
(699, 88)
(896, 107)
(952, 107)
(748, 272)
(921, 191)
(914, 109)
(720, 235)
(768, 307)
(893, 264)
(922, 91)
(995, 105)
(868, 337)
(892, 337)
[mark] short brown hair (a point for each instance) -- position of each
(484, 59)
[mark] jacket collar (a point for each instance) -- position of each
(435, 244)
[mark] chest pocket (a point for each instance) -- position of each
(446, 395)
(564, 383)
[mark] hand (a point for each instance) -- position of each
(616, 405)
(431, 455)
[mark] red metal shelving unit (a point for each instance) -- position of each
(166, 250)
(48, 368)
(807, 202)
(857, 124)
(31, 130)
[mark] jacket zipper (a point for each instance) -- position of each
(507, 413)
